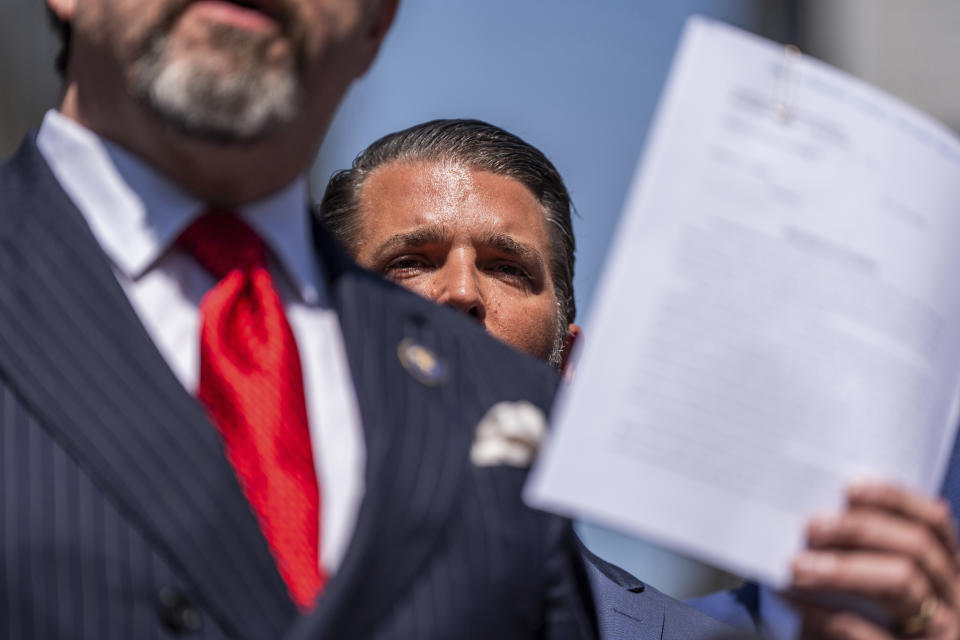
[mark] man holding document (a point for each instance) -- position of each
(891, 548)
(794, 233)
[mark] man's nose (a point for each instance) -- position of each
(462, 288)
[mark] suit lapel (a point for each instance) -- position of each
(415, 454)
(74, 350)
(625, 606)
(624, 614)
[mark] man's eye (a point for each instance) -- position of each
(405, 264)
(511, 270)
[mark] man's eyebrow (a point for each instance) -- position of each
(411, 240)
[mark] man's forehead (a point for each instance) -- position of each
(439, 181)
(451, 195)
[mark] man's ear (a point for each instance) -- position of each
(386, 12)
(573, 334)
(63, 9)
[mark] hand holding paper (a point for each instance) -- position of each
(895, 552)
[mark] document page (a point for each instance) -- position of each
(778, 315)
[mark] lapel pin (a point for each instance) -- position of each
(422, 363)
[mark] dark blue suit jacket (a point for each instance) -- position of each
(121, 517)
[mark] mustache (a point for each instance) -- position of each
(286, 13)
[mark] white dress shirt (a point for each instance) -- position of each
(136, 215)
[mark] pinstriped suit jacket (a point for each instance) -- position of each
(122, 519)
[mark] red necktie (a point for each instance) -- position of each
(252, 387)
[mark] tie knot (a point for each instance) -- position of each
(222, 242)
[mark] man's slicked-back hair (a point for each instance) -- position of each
(477, 145)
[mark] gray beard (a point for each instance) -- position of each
(201, 99)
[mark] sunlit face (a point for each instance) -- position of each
(467, 238)
(221, 69)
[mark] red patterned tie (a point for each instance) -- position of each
(252, 386)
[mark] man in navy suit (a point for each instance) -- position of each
(212, 422)
(472, 217)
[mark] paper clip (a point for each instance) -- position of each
(784, 90)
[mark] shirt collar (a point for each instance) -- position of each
(136, 213)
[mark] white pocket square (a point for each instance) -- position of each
(509, 434)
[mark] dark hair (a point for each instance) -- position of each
(62, 28)
(477, 145)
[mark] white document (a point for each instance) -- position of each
(778, 316)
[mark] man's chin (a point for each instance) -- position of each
(218, 83)
(221, 107)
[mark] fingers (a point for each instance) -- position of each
(893, 543)
(893, 550)
(935, 514)
(894, 582)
